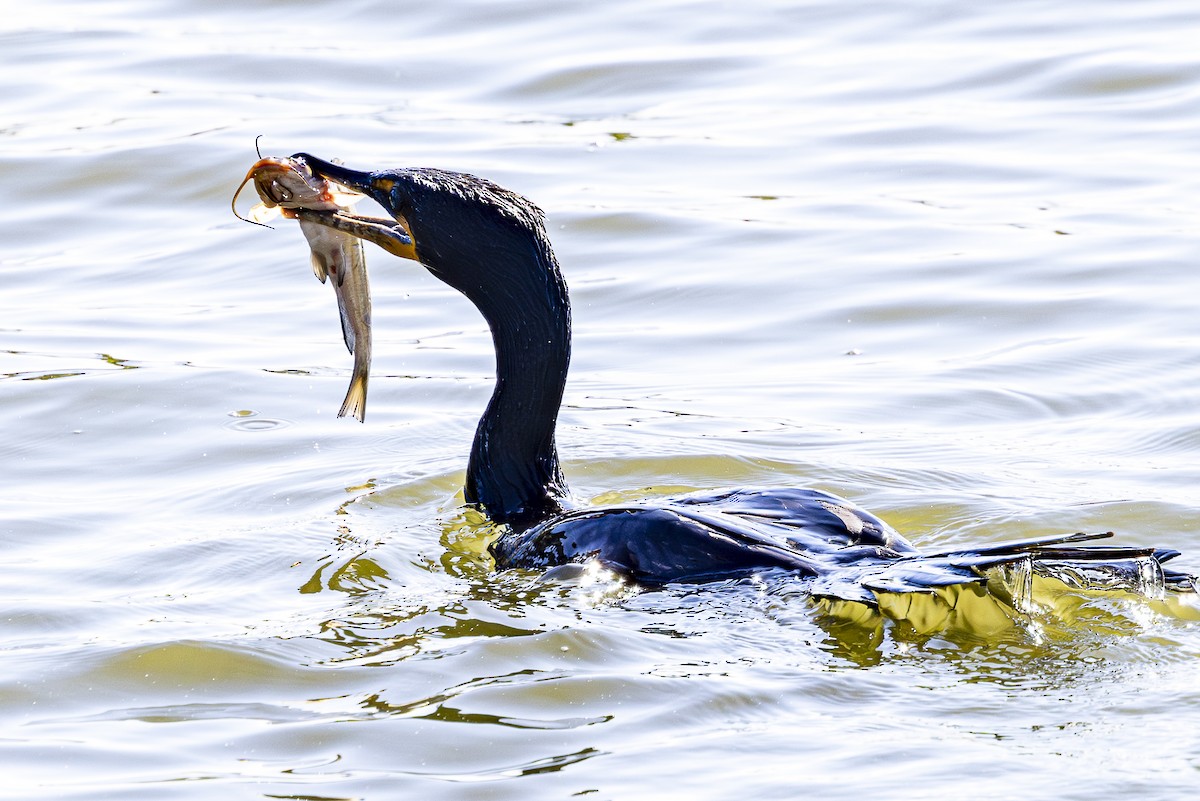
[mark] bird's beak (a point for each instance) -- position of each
(392, 236)
(357, 180)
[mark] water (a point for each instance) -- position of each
(937, 258)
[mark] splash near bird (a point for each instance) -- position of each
(490, 244)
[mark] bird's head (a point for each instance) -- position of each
(476, 236)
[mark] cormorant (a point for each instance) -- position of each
(491, 245)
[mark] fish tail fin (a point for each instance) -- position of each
(356, 399)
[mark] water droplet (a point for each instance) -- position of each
(255, 424)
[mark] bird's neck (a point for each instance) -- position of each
(514, 472)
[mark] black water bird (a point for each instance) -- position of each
(490, 244)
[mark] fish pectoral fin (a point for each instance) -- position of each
(262, 213)
(320, 269)
(324, 266)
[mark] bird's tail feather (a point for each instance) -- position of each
(1016, 579)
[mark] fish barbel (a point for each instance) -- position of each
(288, 184)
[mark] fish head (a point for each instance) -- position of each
(290, 184)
